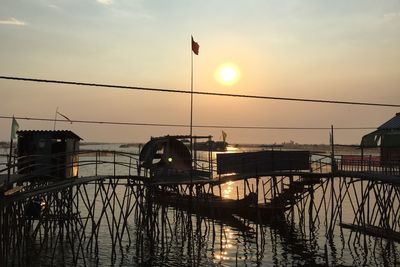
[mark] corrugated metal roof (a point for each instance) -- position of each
(393, 123)
(54, 134)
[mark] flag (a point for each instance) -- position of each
(195, 47)
(64, 117)
(14, 128)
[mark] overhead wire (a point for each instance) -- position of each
(184, 125)
(165, 90)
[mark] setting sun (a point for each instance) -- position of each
(227, 74)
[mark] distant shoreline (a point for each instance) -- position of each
(285, 146)
(5, 144)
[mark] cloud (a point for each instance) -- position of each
(105, 2)
(12, 21)
(53, 6)
(391, 16)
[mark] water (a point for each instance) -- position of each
(181, 238)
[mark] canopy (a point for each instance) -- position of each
(387, 135)
(382, 138)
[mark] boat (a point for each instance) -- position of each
(211, 145)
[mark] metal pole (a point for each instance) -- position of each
(191, 115)
(191, 103)
(55, 119)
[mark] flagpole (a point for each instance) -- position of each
(55, 119)
(191, 103)
(191, 111)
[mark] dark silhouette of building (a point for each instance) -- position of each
(387, 137)
(48, 154)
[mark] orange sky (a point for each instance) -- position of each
(300, 49)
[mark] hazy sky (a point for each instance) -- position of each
(344, 50)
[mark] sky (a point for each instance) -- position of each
(338, 50)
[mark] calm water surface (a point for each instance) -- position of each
(182, 238)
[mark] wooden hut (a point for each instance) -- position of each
(48, 154)
(387, 137)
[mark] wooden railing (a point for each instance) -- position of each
(368, 165)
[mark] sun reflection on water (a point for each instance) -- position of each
(227, 190)
(226, 244)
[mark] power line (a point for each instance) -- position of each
(164, 90)
(186, 125)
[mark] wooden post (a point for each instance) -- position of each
(9, 165)
(333, 162)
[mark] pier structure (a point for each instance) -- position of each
(145, 201)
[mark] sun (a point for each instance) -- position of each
(227, 74)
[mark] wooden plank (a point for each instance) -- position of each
(373, 231)
(13, 190)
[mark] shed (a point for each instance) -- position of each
(387, 137)
(48, 154)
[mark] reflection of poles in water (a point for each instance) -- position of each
(187, 234)
(374, 207)
(68, 224)
(125, 219)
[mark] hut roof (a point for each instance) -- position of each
(393, 123)
(60, 134)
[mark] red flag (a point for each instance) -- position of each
(195, 47)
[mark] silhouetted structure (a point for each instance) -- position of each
(166, 156)
(116, 210)
(387, 137)
(48, 154)
(263, 161)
